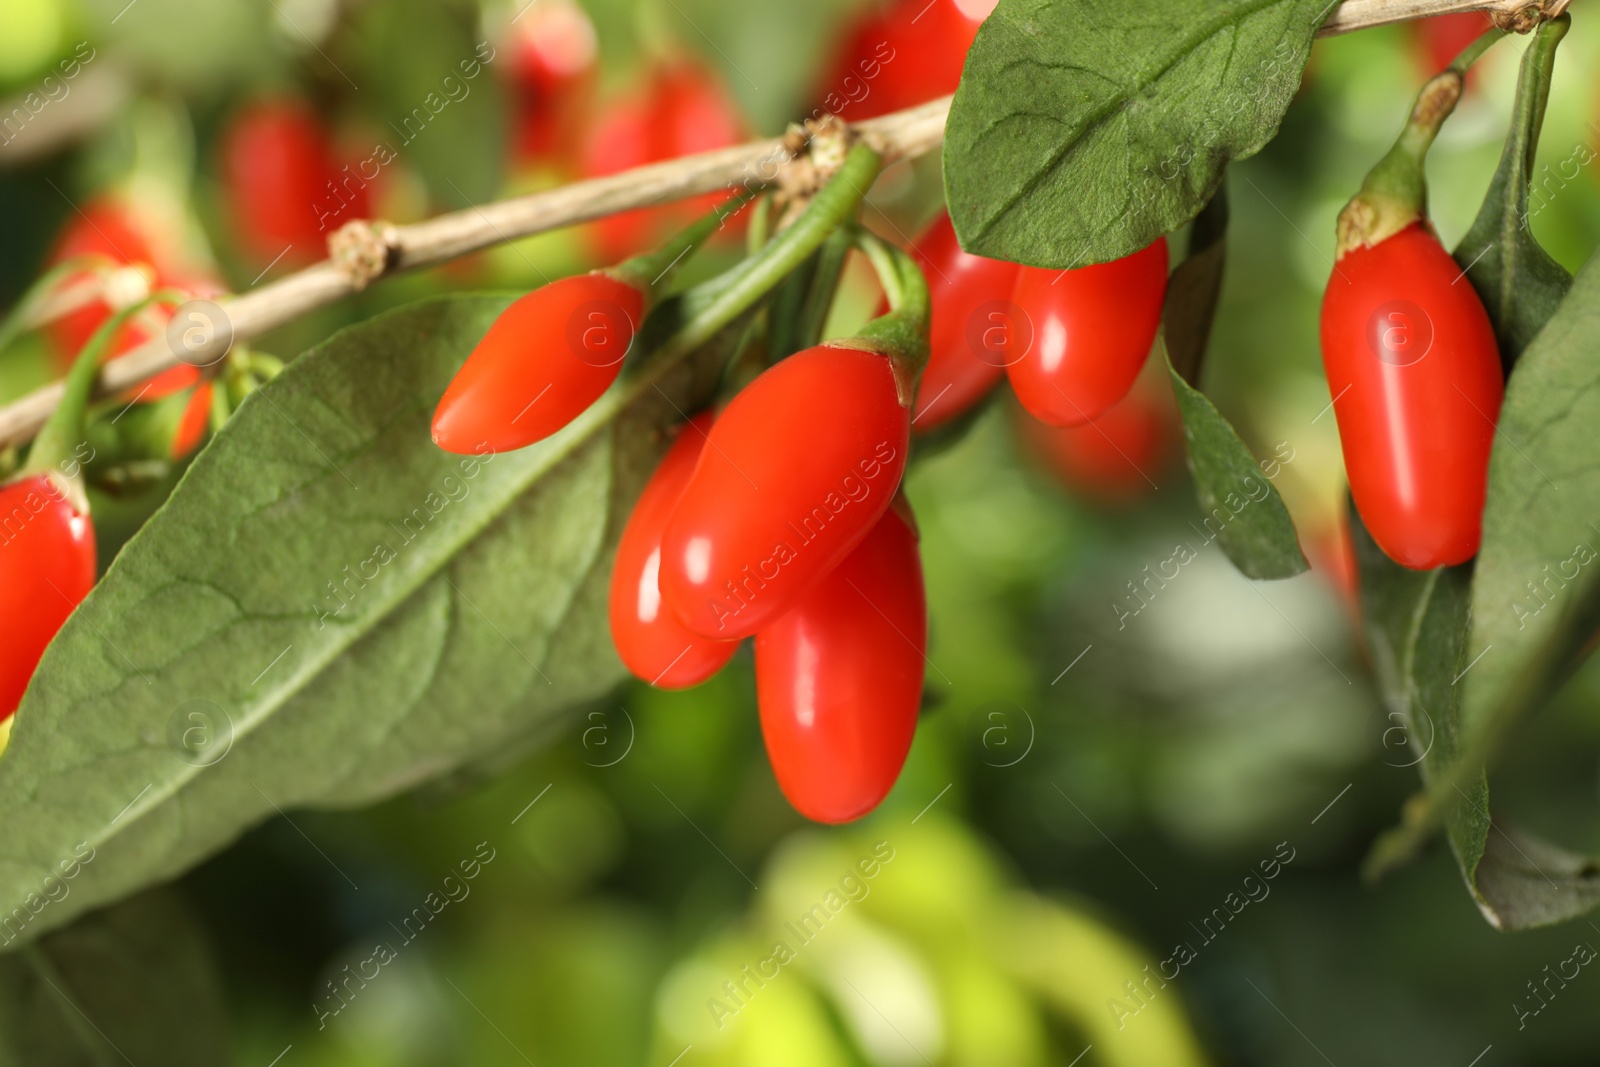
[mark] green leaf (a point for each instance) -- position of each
(131, 984)
(1243, 510)
(1520, 284)
(431, 84)
(1536, 595)
(327, 611)
(1081, 133)
(1194, 289)
(1416, 629)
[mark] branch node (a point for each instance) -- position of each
(364, 250)
(816, 152)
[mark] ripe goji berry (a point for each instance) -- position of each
(1415, 373)
(839, 677)
(47, 565)
(796, 471)
(1089, 331)
(649, 638)
(546, 358)
(969, 329)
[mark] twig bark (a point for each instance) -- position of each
(377, 251)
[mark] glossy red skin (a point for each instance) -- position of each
(898, 55)
(839, 678)
(1117, 458)
(277, 163)
(679, 110)
(46, 568)
(546, 358)
(1416, 437)
(649, 638)
(959, 284)
(797, 470)
(1092, 330)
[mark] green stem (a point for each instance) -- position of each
(760, 228)
(1395, 192)
(785, 309)
(824, 284)
(12, 325)
(55, 448)
(1533, 94)
(652, 272)
(712, 306)
(902, 334)
(744, 286)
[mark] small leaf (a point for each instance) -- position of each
(131, 984)
(1081, 132)
(327, 611)
(1194, 289)
(1243, 510)
(1518, 281)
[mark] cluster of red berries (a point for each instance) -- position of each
(762, 521)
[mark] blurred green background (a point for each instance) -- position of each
(1087, 792)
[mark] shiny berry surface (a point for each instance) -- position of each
(546, 358)
(839, 678)
(653, 645)
(1090, 330)
(796, 471)
(47, 566)
(1415, 376)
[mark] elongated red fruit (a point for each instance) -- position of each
(971, 328)
(286, 193)
(839, 678)
(794, 474)
(546, 358)
(1415, 374)
(649, 638)
(1091, 329)
(46, 568)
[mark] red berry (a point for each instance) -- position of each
(971, 309)
(678, 111)
(1088, 331)
(46, 567)
(546, 358)
(552, 65)
(839, 678)
(192, 424)
(1116, 457)
(902, 54)
(285, 191)
(649, 638)
(795, 473)
(108, 229)
(1415, 375)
